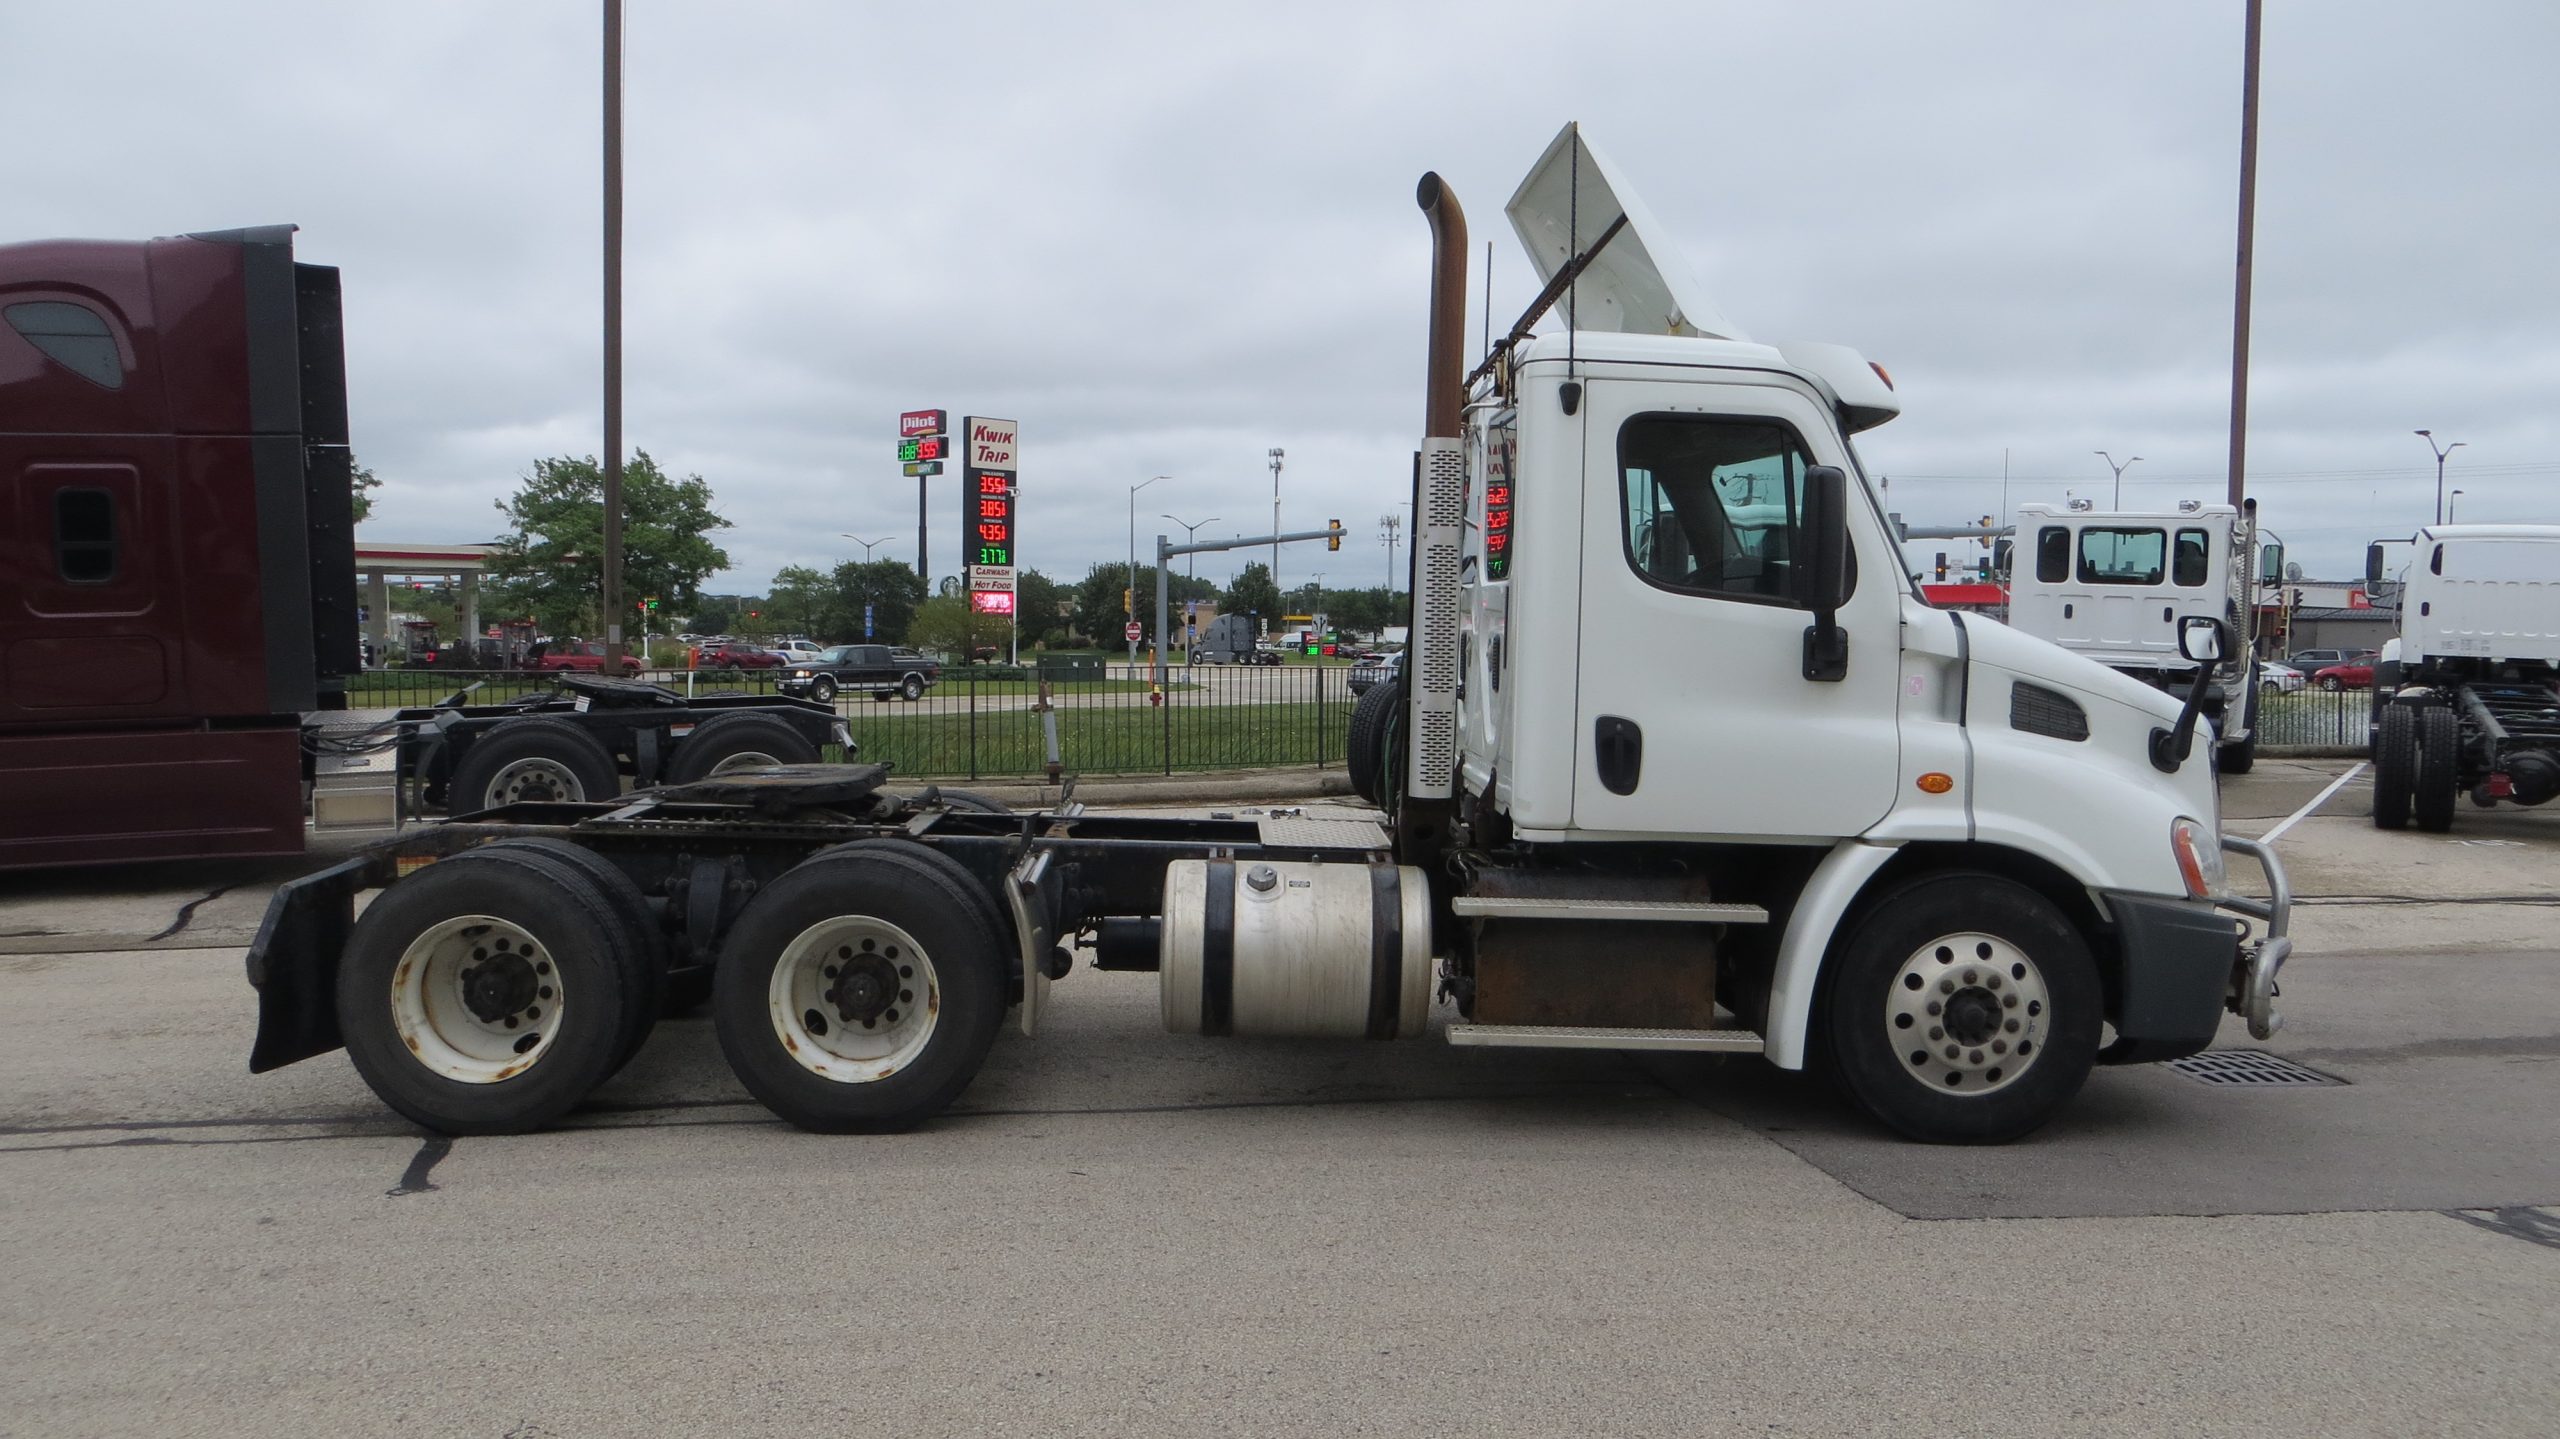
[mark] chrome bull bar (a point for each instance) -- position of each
(2253, 990)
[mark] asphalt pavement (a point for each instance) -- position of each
(1121, 1231)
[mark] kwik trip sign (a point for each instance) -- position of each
(989, 472)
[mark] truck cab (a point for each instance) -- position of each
(2467, 695)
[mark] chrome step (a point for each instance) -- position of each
(1678, 911)
(1558, 1036)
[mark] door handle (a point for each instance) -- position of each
(1617, 750)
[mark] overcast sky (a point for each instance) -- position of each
(1169, 238)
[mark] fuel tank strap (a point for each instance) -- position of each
(1218, 949)
(1386, 950)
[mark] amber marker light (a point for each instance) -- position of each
(1935, 783)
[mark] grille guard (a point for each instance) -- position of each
(2253, 990)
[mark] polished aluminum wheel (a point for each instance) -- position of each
(535, 777)
(1968, 1013)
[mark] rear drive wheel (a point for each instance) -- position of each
(860, 991)
(487, 993)
(1364, 751)
(1963, 1009)
(531, 759)
(823, 689)
(2439, 768)
(640, 945)
(2395, 766)
(731, 742)
(912, 688)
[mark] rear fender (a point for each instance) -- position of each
(293, 963)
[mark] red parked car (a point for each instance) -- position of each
(2354, 674)
(734, 655)
(587, 655)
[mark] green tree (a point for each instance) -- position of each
(947, 623)
(363, 483)
(891, 589)
(1098, 613)
(1035, 608)
(716, 616)
(1253, 593)
(803, 600)
(554, 545)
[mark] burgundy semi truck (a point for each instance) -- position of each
(177, 579)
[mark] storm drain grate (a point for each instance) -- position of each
(2253, 1067)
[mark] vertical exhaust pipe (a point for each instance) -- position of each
(1444, 383)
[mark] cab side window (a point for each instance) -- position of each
(2193, 560)
(2053, 554)
(1713, 506)
(2112, 556)
(72, 336)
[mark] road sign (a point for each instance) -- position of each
(923, 422)
(1134, 631)
(866, 620)
(992, 444)
(920, 468)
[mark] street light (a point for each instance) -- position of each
(2448, 505)
(1191, 532)
(1276, 456)
(1129, 598)
(2441, 451)
(2119, 469)
(867, 545)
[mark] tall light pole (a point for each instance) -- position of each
(2448, 505)
(612, 586)
(867, 545)
(1129, 599)
(2441, 451)
(1388, 524)
(1276, 456)
(1192, 532)
(2119, 469)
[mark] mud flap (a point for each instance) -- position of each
(1031, 892)
(293, 963)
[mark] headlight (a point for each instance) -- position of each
(799, 674)
(2199, 855)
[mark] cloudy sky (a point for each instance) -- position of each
(1168, 238)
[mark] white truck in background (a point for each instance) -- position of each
(2467, 696)
(2116, 585)
(1679, 761)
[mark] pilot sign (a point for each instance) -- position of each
(988, 490)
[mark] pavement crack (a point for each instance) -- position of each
(413, 1180)
(187, 911)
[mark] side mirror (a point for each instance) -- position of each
(2271, 564)
(2373, 567)
(1822, 566)
(2201, 638)
(1821, 571)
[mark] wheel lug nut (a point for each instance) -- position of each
(1993, 981)
(1970, 976)
(2011, 1026)
(1999, 1046)
(1953, 1051)
(1936, 1034)
(1973, 1056)
(1933, 1009)
(2008, 1001)
(1946, 986)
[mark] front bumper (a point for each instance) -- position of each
(2187, 962)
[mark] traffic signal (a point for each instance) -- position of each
(1333, 541)
(1986, 532)
(1942, 567)
(1128, 602)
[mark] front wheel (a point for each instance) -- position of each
(1963, 1009)
(823, 689)
(860, 991)
(912, 689)
(2332, 683)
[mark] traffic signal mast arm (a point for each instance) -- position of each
(1166, 549)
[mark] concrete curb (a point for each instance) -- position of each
(2311, 751)
(1230, 786)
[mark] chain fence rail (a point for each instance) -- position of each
(972, 725)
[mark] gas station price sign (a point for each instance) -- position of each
(989, 487)
(991, 518)
(917, 448)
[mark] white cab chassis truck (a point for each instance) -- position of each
(1683, 764)
(2117, 585)
(2467, 696)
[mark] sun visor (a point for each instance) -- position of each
(1638, 285)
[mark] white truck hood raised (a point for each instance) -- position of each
(1638, 284)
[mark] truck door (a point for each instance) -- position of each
(1693, 713)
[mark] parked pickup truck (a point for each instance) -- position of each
(585, 656)
(877, 668)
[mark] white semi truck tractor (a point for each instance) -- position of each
(2117, 585)
(1680, 761)
(2467, 695)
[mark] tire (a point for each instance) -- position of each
(911, 689)
(915, 919)
(744, 740)
(532, 759)
(823, 689)
(1364, 752)
(2439, 768)
(2395, 767)
(2009, 958)
(638, 939)
(2332, 683)
(443, 1050)
(2242, 757)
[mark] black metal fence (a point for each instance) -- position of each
(977, 725)
(2315, 717)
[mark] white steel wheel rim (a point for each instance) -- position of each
(477, 999)
(548, 778)
(854, 999)
(750, 759)
(1968, 1013)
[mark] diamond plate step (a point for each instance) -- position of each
(1558, 1036)
(1678, 911)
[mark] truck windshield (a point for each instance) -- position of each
(2110, 556)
